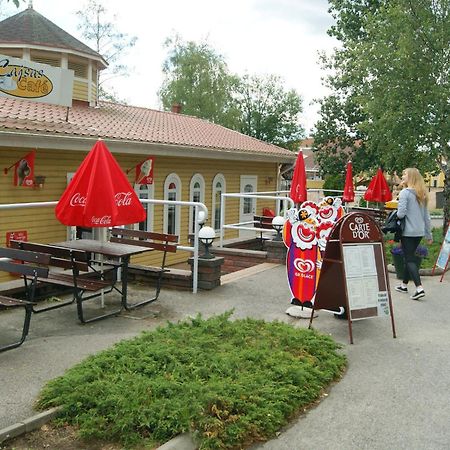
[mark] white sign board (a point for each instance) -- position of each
(33, 81)
(366, 297)
(444, 254)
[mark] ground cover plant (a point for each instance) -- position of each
(229, 382)
(432, 249)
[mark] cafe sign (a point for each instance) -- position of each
(34, 81)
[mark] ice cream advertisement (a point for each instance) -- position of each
(144, 172)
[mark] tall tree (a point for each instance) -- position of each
(108, 41)
(268, 111)
(392, 82)
(197, 77)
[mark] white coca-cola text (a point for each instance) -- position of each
(77, 200)
(123, 198)
(105, 220)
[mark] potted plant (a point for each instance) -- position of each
(398, 258)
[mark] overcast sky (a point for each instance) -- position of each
(260, 37)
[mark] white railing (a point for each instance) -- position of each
(193, 249)
(272, 195)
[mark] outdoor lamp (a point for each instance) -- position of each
(201, 217)
(207, 236)
(277, 225)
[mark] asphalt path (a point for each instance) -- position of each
(394, 394)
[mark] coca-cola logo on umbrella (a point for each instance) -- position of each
(99, 194)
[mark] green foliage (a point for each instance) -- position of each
(197, 77)
(433, 249)
(391, 84)
(335, 182)
(268, 112)
(229, 382)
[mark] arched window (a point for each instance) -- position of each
(218, 188)
(172, 191)
(196, 194)
(145, 192)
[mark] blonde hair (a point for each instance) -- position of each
(416, 182)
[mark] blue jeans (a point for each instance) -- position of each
(409, 246)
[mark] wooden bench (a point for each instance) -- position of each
(71, 269)
(165, 243)
(31, 266)
(263, 223)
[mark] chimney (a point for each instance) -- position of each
(176, 108)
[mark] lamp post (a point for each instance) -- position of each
(207, 236)
(277, 225)
(201, 217)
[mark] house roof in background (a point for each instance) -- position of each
(29, 28)
(130, 123)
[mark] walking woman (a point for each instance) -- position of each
(412, 206)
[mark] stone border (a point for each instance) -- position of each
(28, 425)
(181, 442)
(422, 272)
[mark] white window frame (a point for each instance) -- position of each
(218, 178)
(172, 178)
(196, 178)
(150, 191)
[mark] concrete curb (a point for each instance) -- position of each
(181, 442)
(29, 424)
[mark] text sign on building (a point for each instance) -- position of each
(34, 81)
(21, 235)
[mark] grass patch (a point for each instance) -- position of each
(231, 383)
(433, 249)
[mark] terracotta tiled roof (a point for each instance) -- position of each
(121, 122)
(31, 28)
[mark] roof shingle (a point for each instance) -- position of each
(131, 123)
(31, 28)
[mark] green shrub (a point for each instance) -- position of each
(229, 382)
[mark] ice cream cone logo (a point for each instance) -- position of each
(144, 172)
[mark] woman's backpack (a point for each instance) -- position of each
(394, 225)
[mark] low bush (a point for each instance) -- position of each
(230, 383)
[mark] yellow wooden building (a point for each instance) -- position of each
(194, 160)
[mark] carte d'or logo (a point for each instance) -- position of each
(22, 81)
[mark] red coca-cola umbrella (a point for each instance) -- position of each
(298, 184)
(349, 191)
(99, 194)
(378, 190)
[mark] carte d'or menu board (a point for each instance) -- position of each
(366, 286)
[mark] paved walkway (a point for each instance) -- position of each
(395, 394)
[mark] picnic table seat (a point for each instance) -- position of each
(71, 269)
(30, 265)
(163, 242)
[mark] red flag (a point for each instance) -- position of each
(378, 190)
(24, 170)
(144, 172)
(99, 194)
(298, 185)
(349, 191)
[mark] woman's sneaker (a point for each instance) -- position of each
(401, 289)
(418, 295)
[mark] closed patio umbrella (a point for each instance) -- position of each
(378, 190)
(349, 191)
(298, 184)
